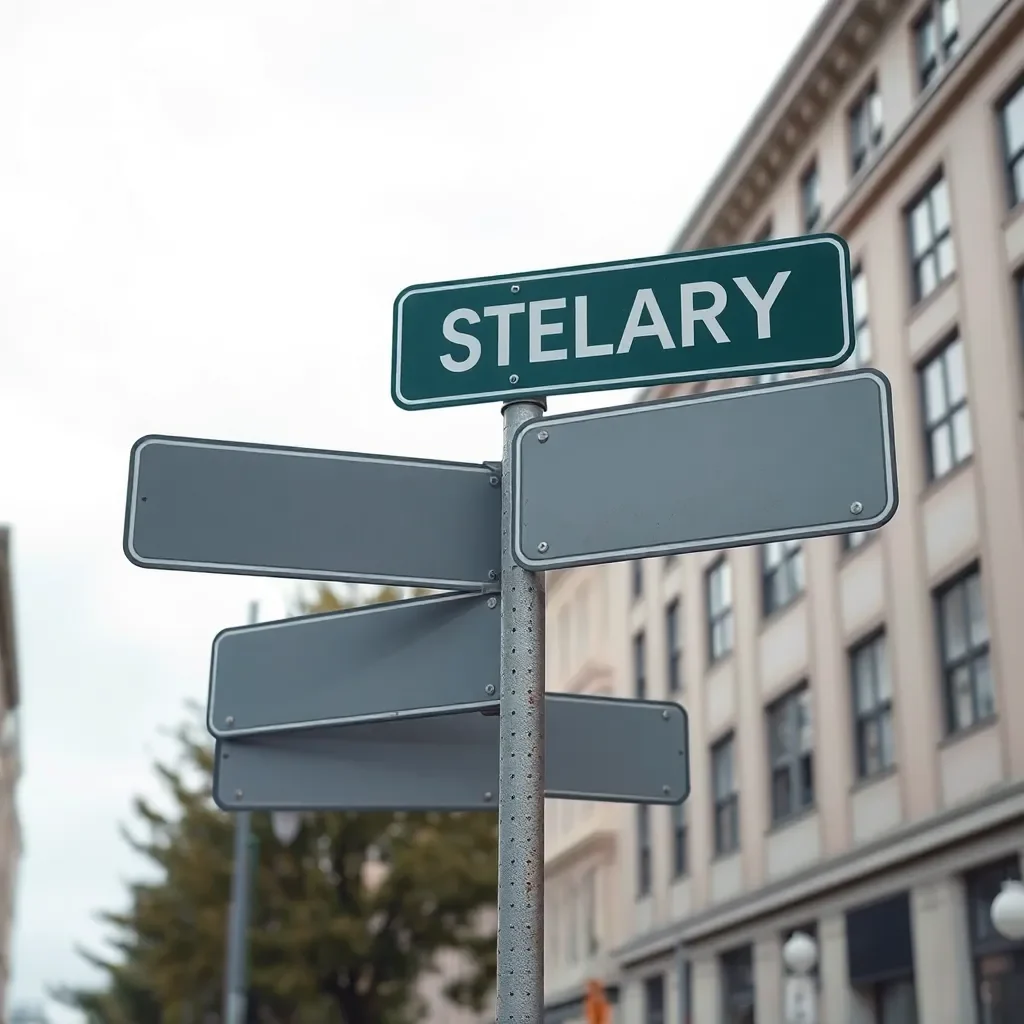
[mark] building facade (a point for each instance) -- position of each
(10, 766)
(856, 706)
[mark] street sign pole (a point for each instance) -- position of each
(520, 976)
(238, 909)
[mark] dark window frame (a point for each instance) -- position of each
(859, 120)
(811, 209)
(654, 999)
(644, 853)
(725, 806)
(639, 652)
(723, 617)
(1011, 158)
(972, 654)
(790, 568)
(944, 422)
(925, 196)
(881, 709)
(929, 71)
(673, 646)
(739, 985)
(794, 763)
(680, 837)
(636, 585)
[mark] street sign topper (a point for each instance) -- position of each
(596, 748)
(774, 462)
(397, 659)
(784, 304)
(248, 509)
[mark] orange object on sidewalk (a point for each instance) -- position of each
(596, 1005)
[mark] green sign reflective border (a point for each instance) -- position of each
(785, 304)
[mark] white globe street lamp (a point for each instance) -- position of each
(800, 955)
(286, 825)
(1008, 911)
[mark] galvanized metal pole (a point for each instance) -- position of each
(520, 980)
(235, 982)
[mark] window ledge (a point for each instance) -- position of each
(933, 487)
(768, 619)
(860, 784)
(717, 857)
(793, 819)
(920, 305)
(982, 725)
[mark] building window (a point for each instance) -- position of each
(738, 986)
(1011, 114)
(674, 647)
(936, 39)
(810, 197)
(686, 992)
(866, 127)
(590, 912)
(718, 587)
(963, 642)
(643, 851)
(640, 665)
(861, 322)
(654, 999)
(947, 421)
(679, 865)
(852, 541)
(880, 961)
(636, 569)
(872, 703)
(998, 962)
(727, 822)
(782, 574)
(790, 747)
(931, 239)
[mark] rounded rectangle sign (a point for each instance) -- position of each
(784, 461)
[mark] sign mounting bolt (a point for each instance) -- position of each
(492, 602)
(492, 574)
(664, 714)
(513, 378)
(493, 481)
(856, 508)
(543, 436)
(542, 546)
(666, 790)
(230, 720)
(238, 794)
(515, 289)
(488, 796)
(489, 689)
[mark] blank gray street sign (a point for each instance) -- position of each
(399, 659)
(217, 506)
(753, 465)
(597, 748)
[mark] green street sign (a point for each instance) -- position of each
(785, 304)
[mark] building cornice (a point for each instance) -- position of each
(999, 808)
(831, 53)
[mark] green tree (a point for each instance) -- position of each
(344, 921)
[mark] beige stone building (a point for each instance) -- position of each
(856, 708)
(10, 765)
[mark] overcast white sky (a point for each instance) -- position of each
(206, 210)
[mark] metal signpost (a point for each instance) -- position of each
(785, 304)
(440, 703)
